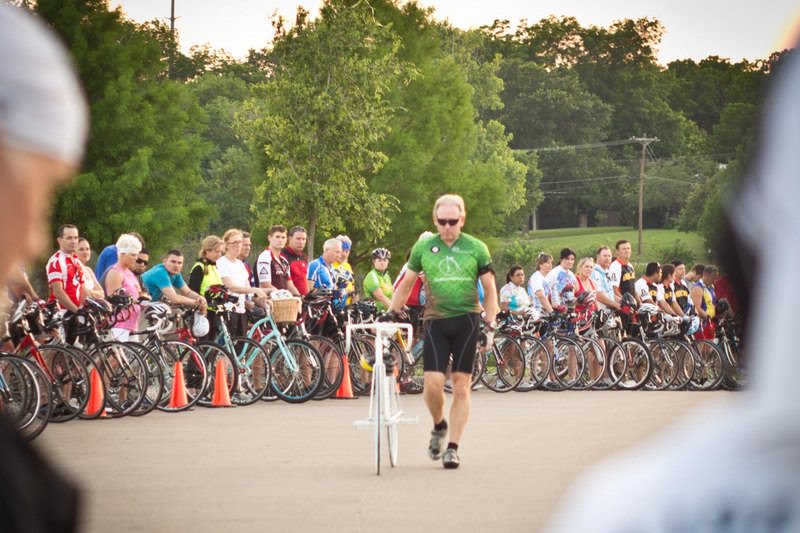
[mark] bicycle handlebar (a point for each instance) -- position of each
(388, 328)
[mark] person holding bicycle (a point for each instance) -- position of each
(204, 274)
(120, 276)
(165, 280)
(452, 262)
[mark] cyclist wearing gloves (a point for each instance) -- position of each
(452, 262)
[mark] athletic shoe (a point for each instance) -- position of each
(437, 443)
(450, 458)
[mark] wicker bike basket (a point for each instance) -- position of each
(285, 310)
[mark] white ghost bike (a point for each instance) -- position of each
(384, 399)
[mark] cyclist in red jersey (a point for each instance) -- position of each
(65, 271)
(298, 262)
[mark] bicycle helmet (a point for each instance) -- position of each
(381, 253)
(200, 325)
(722, 306)
(216, 294)
(690, 325)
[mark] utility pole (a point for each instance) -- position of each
(644, 141)
(172, 37)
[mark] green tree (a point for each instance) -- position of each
(142, 162)
(438, 141)
(321, 118)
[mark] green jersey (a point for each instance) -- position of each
(376, 280)
(451, 274)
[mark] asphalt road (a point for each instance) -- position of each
(280, 467)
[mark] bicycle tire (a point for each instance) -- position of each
(593, 351)
(268, 346)
(566, 350)
(69, 369)
(30, 405)
(665, 366)
(195, 373)
(392, 438)
(300, 385)
(617, 362)
(214, 354)
(154, 388)
(537, 363)
(124, 376)
(377, 414)
(255, 371)
(361, 345)
(504, 365)
(412, 378)
(332, 363)
(639, 364)
(710, 367)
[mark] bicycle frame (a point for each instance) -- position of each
(384, 400)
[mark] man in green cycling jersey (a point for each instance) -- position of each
(452, 261)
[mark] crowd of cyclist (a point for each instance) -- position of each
(224, 273)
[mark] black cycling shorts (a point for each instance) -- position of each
(457, 336)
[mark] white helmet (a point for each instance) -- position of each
(200, 325)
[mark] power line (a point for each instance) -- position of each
(582, 180)
(577, 146)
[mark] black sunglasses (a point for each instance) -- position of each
(142, 261)
(447, 221)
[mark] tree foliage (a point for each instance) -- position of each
(144, 148)
(320, 119)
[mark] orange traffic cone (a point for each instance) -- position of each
(345, 391)
(221, 397)
(177, 397)
(97, 398)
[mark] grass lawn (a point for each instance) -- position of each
(586, 240)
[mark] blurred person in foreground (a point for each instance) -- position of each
(735, 467)
(43, 123)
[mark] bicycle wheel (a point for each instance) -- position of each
(255, 372)
(213, 355)
(154, 388)
(377, 415)
(25, 395)
(709, 368)
(296, 371)
(568, 361)
(639, 364)
(617, 362)
(665, 367)
(537, 363)
(504, 365)
(412, 378)
(596, 364)
(360, 346)
(268, 346)
(736, 373)
(332, 365)
(124, 376)
(69, 370)
(391, 408)
(195, 373)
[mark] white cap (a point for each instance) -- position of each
(42, 107)
(128, 244)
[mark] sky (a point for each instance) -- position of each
(695, 29)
